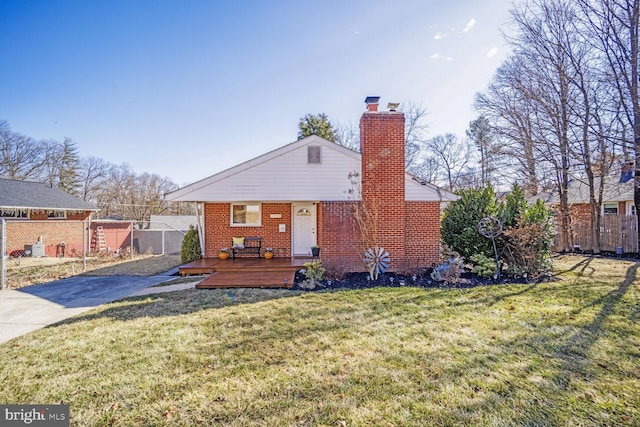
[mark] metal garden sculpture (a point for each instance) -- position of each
(491, 227)
(377, 261)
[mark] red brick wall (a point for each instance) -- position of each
(44, 215)
(219, 232)
(340, 240)
(383, 177)
(342, 243)
(422, 235)
(53, 232)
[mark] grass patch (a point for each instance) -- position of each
(23, 272)
(557, 353)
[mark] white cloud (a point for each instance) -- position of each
(440, 36)
(492, 52)
(438, 57)
(469, 26)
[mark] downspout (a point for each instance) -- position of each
(200, 226)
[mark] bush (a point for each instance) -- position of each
(525, 244)
(459, 227)
(483, 266)
(190, 246)
(314, 271)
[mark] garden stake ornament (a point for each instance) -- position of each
(377, 261)
(491, 227)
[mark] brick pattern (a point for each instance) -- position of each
(580, 213)
(71, 216)
(422, 242)
(219, 232)
(27, 232)
(383, 175)
(339, 237)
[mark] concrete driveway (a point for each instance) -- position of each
(33, 307)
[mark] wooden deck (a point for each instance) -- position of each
(245, 272)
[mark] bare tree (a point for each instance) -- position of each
(134, 196)
(53, 153)
(93, 174)
(415, 129)
(615, 26)
(480, 134)
(21, 157)
(539, 80)
(451, 154)
(510, 114)
(348, 135)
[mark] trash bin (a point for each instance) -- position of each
(61, 249)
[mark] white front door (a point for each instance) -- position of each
(304, 228)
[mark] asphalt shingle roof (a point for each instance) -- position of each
(36, 195)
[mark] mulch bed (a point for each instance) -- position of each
(424, 280)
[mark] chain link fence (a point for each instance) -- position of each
(39, 251)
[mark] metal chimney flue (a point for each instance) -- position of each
(372, 103)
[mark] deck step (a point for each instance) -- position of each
(249, 279)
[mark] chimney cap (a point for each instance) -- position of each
(393, 106)
(371, 100)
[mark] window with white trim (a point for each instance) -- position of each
(610, 208)
(246, 214)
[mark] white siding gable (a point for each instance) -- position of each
(286, 175)
(281, 175)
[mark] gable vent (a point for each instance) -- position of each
(313, 154)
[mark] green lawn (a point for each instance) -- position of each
(560, 353)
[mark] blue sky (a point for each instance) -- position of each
(185, 89)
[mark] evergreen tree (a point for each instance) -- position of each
(459, 228)
(317, 124)
(69, 172)
(191, 246)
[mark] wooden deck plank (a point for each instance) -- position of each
(248, 279)
(209, 265)
(245, 272)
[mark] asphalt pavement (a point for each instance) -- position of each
(33, 307)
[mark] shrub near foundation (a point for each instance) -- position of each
(191, 246)
(524, 247)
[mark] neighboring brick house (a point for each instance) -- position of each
(617, 198)
(302, 195)
(35, 211)
(618, 223)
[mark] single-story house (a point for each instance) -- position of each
(39, 214)
(617, 197)
(304, 194)
(618, 226)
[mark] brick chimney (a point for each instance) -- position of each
(383, 174)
